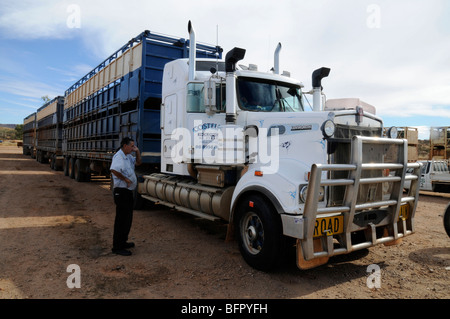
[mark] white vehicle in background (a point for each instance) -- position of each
(434, 176)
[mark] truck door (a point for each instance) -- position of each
(204, 124)
(169, 123)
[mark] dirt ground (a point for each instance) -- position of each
(49, 222)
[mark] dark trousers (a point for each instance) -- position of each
(123, 198)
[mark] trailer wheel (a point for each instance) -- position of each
(78, 174)
(66, 163)
(38, 156)
(71, 167)
(42, 158)
(258, 229)
(53, 162)
(447, 220)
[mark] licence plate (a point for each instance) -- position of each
(329, 226)
(405, 211)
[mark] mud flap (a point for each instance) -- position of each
(308, 264)
(391, 243)
(230, 233)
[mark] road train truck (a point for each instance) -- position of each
(49, 125)
(226, 142)
(29, 135)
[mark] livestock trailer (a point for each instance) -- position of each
(49, 126)
(121, 97)
(29, 135)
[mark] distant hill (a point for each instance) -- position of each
(8, 125)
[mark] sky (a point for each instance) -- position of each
(394, 55)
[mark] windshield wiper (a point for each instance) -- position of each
(279, 98)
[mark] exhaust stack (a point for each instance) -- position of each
(276, 62)
(231, 59)
(192, 51)
(317, 77)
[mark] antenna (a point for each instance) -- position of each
(217, 45)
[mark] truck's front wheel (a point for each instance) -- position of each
(447, 220)
(259, 233)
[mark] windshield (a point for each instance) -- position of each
(268, 95)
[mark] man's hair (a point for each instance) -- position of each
(126, 141)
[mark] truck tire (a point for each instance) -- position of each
(53, 162)
(447, 220)
(38, 156)
(43, 158)
(435, 188)
(78, 174)
(66, 163)
(259, 233)
(56, 164)
(71, 167)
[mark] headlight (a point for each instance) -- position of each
(392, 132)
(304, 192)
(328, 128)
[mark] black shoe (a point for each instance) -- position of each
(128, 245)
(122, 252)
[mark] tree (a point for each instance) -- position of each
(46, 99)
(19, 131)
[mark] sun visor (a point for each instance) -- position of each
(348, 104)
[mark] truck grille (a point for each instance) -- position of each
(340, 152)
(348, 131)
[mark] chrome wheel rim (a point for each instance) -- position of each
(252, 233)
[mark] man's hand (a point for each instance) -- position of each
(120, 176)
(138, 155)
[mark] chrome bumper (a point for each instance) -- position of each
(393, 225)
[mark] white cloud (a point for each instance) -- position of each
(28, 88)
(14, 102)
(74, 73)
(424, 132)
(33, 19)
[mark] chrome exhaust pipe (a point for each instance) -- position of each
(192, 51)
(276, 62)
(317, 77)
(231, 58)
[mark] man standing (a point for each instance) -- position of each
(125, 181)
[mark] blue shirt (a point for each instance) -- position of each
(124, 164)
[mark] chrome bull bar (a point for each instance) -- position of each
(395, 226)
